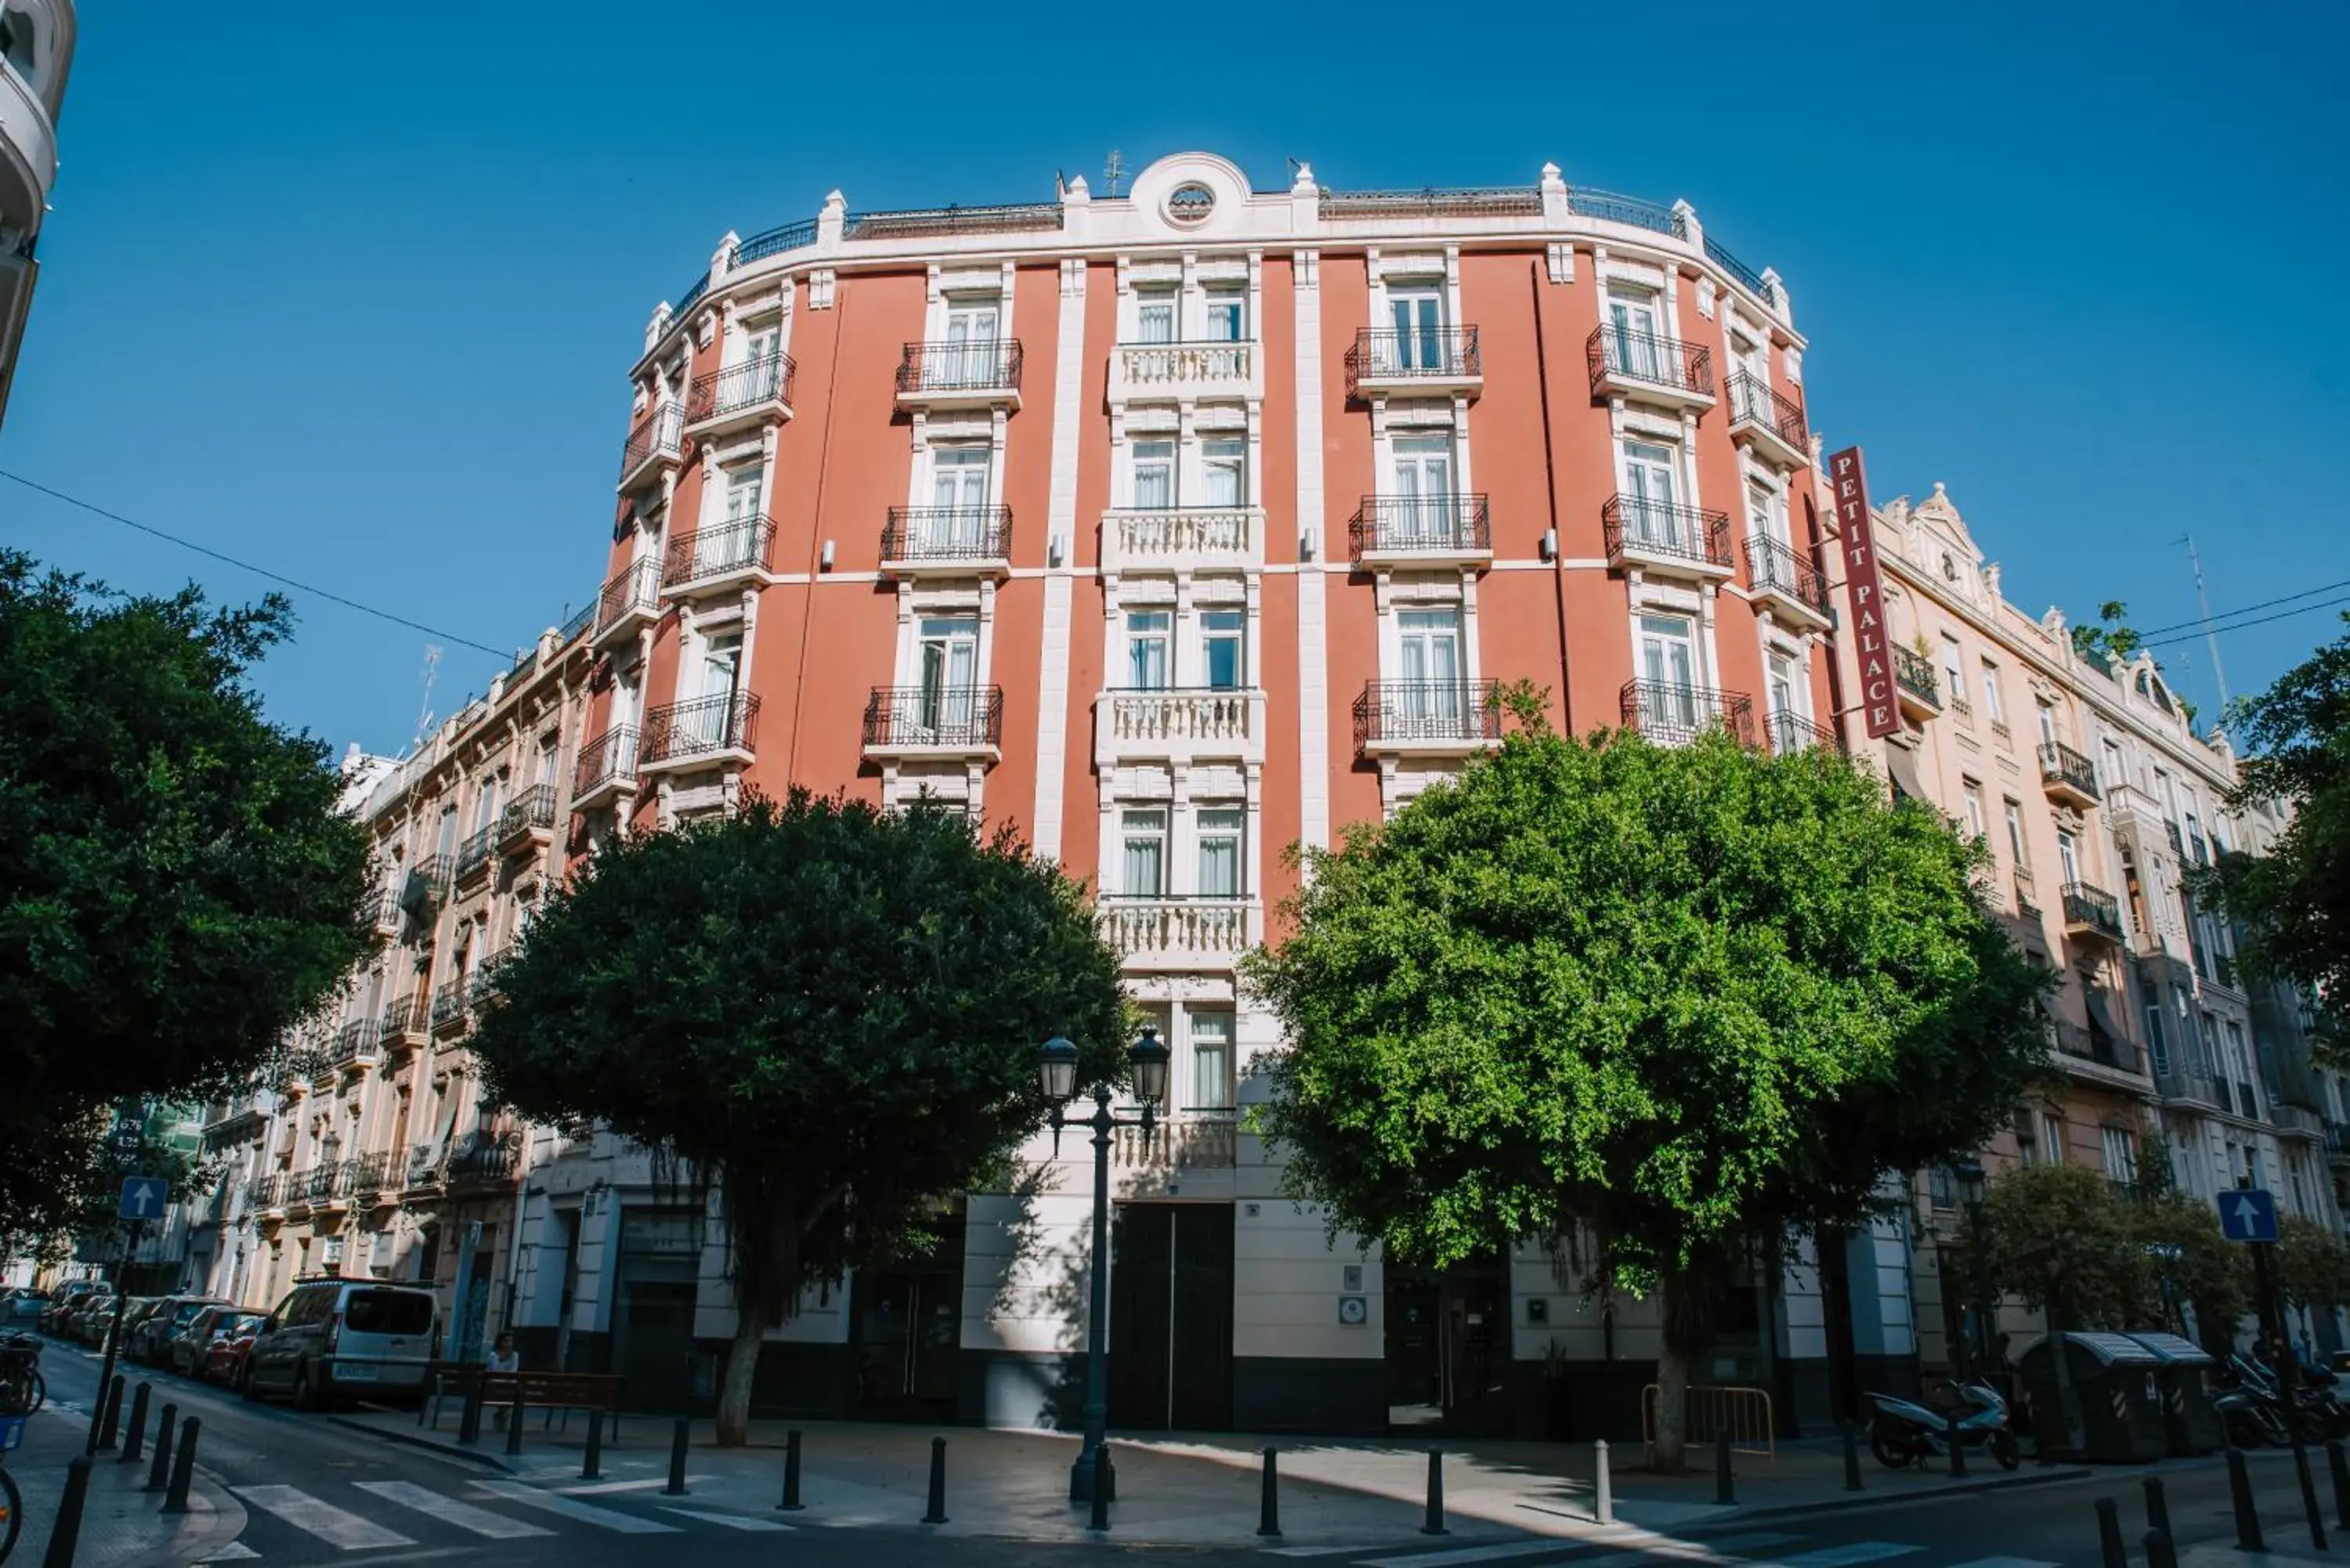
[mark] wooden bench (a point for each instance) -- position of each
(551, 1392)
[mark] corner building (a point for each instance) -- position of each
(1174, 528)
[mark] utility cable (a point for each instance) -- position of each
(2246, 609)
(2242, 625)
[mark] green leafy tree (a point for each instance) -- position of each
(827, 1013)
(2312, 1266)
(2111, 640)
(2190, 1264)
(2293, 901)
(1679, 1003)
(177, 888)
(2063, 1240)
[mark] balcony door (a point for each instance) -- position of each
(1748, 379)
(1416, 311)
(1428, 656)
(971, 330)
(1150, 648)
(2068, 856)
(1651, 496)
(1154, 316)
(708, 722)
(950, 665)
(959, 484)
(1154, 474)
(1423, 490)
(732, 543)
(1142, 854)
(1785, 711)
(1634, 330)
(1668, 668)
(755, 375)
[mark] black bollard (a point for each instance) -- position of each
(2109, 1535)
(1434, 1523)
(468, 1414)
(1603, 1484)
(2340, 1468)
(134, 1441)
(791, 1504)
(2308, 1490)
(183, 1466)
(592, 1467)
(160, 1471)
(2240, 1493)
(1852, 1481)
(514, 1426)
(2157, 1507)
(1725, 1485)
(2160, 1552)
(110, 1426)
(1268, 1512)
(1958, 1446)
(66, 1534)
(938, 1509)
(1104, 1489)
(676, 1442)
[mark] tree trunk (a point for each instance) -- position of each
(734, 1388)
(1672, 1404)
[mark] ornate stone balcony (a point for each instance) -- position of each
(1178, 726)
(1182, 539)
(1165, 372)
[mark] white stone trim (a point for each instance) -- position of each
(1313, 636)
(1060, 589)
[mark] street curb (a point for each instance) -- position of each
(447, 1447)
(1736, 1516)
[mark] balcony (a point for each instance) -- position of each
(1789, 580)
(427, 1168)
(2337, 1142)
(2070, 778)
(656, 445)
(450, 1003)
(705, 732)
(1670, 714)
(1649, 368)
(1791, 733)
(2074, 1043)
(1430, 531)
(608, 769)
(740, 397)
(326, 1186)
(371, 1181)
(485, 975)
(631, 599)
(386, 911)
(355, 1044)
(1427, 718)
(1769, 420)
(528, 820)
(1178, 726)
(959, 375)
(404, 1026)
(484, 1160)
(1207, 1142)
(1666, 540)
(934, 722)
(2092, 912)
(1182, 539)
(1178, 933)
(474, 853)
(1920, 688)
(1174, 371)
(921, 541)
(709, 561)
(266, 1198)
(1431, 362)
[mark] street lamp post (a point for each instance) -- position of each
(1056, 1063)
(1981, 1352)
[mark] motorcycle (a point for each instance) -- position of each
(1903, 1432)
(2314, 1411)
(2251, 1422)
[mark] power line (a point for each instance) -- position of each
(2247, 609)
(257, 571)
(2242, 625)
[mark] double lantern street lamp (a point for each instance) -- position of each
(1980, 1347)
(1056, 1063)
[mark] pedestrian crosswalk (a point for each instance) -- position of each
(368, 1516)
(1761, 1549)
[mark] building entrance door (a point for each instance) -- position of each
(655, 1354)
(1170, 1316)
(1447, 1348)
(908, 1325)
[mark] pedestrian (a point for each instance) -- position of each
(504, 1357)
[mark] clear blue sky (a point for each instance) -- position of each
(353, 290)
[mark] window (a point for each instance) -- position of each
(1428, 648)
(1222, 654)
(1147, 634)
(1212, 1060)
(1975, 827)
(1154, 474)
(2014, 814)
(948, 655)
(1154, 315)
(1634, 343)
(1766, 514)
(1228, 315)
(2121, 1154)
(1423, 489)
(1223, 466)
(2110, 775)
(1650, 514)
(958, 476)
(970, 359)
(1993, 709)
(485, 805)
(2052, 1136)
(1142, 864)
(722, 660)
(1784, 690)
(2068, 856)
(2209, 1042)
(549, 758)
(1221, 835)
(2157, 1042)
(1416, 311)
(448, 835)
(1668, 672)
(1954, 675)
(2047, 723)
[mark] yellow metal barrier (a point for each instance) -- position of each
(1744, 1413)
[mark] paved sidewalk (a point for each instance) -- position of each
(1197, 1490)
(119, 1523)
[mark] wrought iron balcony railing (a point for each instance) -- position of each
(355, 1043)
(739, 389)
(1914, 673)
(661, 433)
(1792, 733)
(449, 999)
(402, 1017)
(947, 534)
(1775, 567)
(1649, 359)
(474, 850)
(1672, 714)
(435, 873)
(370, 1171)
(726, 722)
(1635, 524)
(1421, 354)
(610, 758)
(988, 365)
(1421, 524)
(484, 1158)
(1752, 404)
(532, 810)
(2062, 766)
(1392, 712)
(942, 716)
(744, 544)
(2094, 908)
(634, 589)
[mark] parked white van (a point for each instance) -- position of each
(334, 1339)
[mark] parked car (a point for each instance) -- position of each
(152, 1342)
(136, 1311)
(229, 1340)
(185, 1353)
(332, 1339)
(88, 1317)
(23, 1305)
(62, 1303)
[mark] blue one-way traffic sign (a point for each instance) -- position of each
(144, 1197)
(2248, 1214)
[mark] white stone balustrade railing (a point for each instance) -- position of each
(1175, 929)
(1176, 1145)
(1164, 369)
(1168, 539)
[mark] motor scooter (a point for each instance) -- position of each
(1903, 1431)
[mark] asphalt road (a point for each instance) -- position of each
(318, 1495)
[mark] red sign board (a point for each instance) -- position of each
(1880, 705)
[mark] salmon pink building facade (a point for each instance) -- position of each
(1175, 528)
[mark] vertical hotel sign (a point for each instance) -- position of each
(1880, 705)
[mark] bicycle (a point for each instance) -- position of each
(22, 1388)
(11, 1501)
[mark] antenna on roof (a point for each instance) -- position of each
(1114, 171)
(424, 706)
(2211, 638)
